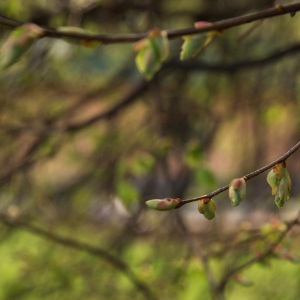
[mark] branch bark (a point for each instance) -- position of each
(246, 177)
(200, 66)
(133, 37)
(267, 252)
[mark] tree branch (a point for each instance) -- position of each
(194, 65)
(71, 243)
(109, 113)
(246, 177)
(133, 37)
(268, 251)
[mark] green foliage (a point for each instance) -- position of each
(173, 137)
(152, 52)
(194, 44)
(18, 43)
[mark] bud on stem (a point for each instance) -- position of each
(163, 204)
(207, 208)
(237, 191)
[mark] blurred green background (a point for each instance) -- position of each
(85, 141)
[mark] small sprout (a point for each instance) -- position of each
(207, 208)
(152, 52)
(18, 43)
(163, 204)
(237, 191)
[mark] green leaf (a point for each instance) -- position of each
(193, 45)
(152, 52)
(280, 182)
(273, 181)
(163, 204)
(237, 191)
(84, 42)
(207, 208)
(283, 191)
(18, 43)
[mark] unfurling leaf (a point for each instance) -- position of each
(207, 208)
(84, 42)
(152, 52)
(193, 44)
(237, 191)
(280, 182)
(18, 43)
(283, 191)
(163, 204)
(273, 181)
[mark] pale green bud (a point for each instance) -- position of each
(163, 204)
(207, 208)
(237, 191)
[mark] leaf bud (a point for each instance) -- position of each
(283, 192)
(207, 208)
(237, 191)
(163, 204)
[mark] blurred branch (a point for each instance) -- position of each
(111, 112)
(74, 244)
(246, 177)
(193, 65)
(133, 37)
(267, 252)
(25, 161)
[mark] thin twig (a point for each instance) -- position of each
(198, 66)
(111, 112)
(133, 37)
(74, 244)
(268, 251)
(246, 177)
(201, 66)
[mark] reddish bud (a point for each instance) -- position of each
(163, 204)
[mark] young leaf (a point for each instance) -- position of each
(163, 204)
(152, 52)
(207, 208)
(193, 44)
(18, 43)
(280, 182)
(83, 42)
(273, 181)
(283, 191)
(237, 191)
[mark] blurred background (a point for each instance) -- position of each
(85, 141)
